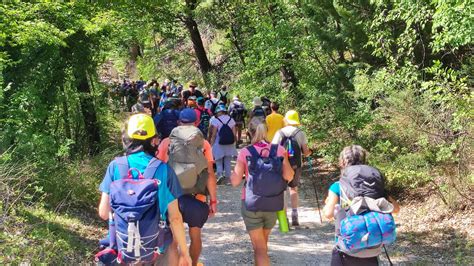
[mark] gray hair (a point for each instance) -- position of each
(352, 155)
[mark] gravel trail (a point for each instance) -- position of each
(225, 241)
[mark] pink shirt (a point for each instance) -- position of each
(242, 157)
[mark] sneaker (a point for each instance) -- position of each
(294, 219)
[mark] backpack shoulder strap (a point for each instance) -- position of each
(228, 121)
(122, 166)
(151, 168)
(220, 120)
(295, 132)
(253, 151)
(273, 151)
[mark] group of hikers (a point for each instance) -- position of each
(179, 145)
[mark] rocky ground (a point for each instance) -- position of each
(428, 232)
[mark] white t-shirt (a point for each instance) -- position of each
(224, 118)
(208, 103)
(288, 131)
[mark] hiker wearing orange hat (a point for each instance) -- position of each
(296, 144)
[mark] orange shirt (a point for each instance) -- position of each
(165, 143)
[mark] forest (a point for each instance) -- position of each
(395, 77)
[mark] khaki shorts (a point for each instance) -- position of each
(256, 220)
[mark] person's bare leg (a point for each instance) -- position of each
(260, 249)
(266, 234)
(294, 206)
(294, 197)
(171, 254)
(195, 247)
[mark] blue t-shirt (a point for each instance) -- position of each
(166, 193)
(335, 188)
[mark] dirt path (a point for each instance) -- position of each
(225, 241)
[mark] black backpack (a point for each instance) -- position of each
(258, 111)
(226, 135)
(293, 148)
(362, 180)
(238, 113)
(204, 118)
(214, 106)
(223, 97)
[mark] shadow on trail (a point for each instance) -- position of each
(430, 247)
(56, 237)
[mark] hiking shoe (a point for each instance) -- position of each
(220, 180)
(294, 219)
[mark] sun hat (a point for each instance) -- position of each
(141, 127)
(187, 115)
(292, 118)
(257, 101)
(192, 83)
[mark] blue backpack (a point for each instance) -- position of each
(265, 184)
(365, 223)
(226, 135)
(168, 122)
(137, 223)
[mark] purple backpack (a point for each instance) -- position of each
(265, 184)
(137, 229)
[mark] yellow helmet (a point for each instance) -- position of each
(292, 118)
(141, 126)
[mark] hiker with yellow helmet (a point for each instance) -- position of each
(141, 228)
(296, 144)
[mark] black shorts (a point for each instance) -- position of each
(340, 258)
(194, 212)
(296, 182)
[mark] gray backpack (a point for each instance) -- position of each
(187, 159)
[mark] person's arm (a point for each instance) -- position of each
(396, 206)
(213, 135)
(238, 173)
(234, 130)
(304, 140)
(177, 227)
(211, 180)
(306, 151)
(288, 172)
(104, 206)
(331, 201)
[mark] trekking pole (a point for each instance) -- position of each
(310, 162)
(386, 253)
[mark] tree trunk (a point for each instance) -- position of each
(195, 35)
(289, 81)
(67, 126)
(131, 67)
(235, 41)
(88, 113)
